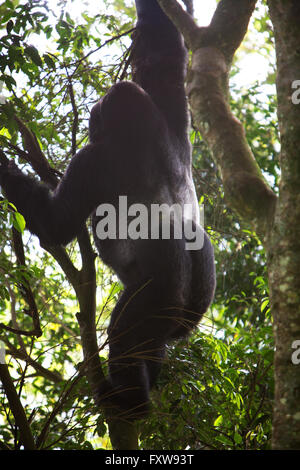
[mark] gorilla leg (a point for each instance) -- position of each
(143, 320)
(139, 327)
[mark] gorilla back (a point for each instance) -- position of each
(139, 148)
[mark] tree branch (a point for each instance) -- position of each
(54, 376)
(36, 158)
(56, 409)
(229, 25)
(25, 287)
(75, 113)
(213, 48)
(17, 408)
(189, 6)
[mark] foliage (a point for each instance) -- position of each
(223, 399)
(215, 391)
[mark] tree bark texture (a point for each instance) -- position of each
(284, 249)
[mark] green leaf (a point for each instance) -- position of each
(4, 294)
(237, 438)
(9, 26)
(33, 54)
(264, 304)
(101, 428)
(49, 61)
(19, 222)
(218, 421)
(9, 81)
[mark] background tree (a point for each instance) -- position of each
(223, 391)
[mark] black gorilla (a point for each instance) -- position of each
(139, 148)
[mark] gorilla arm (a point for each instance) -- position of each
(159, 64)
(56, 217)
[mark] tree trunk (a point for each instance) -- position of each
(284, 249)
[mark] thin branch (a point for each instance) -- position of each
(125, 63)
(17, 408)
(115, 38)
(13, 313)
(19, 332)
(92, 364)
(36, 158)
(54, 376)
(25, 287)
(189, 6)
(75, 113)
(61, 256)
(56, 409)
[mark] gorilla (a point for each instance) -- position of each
(139, 148)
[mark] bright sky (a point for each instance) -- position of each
(203, 9)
